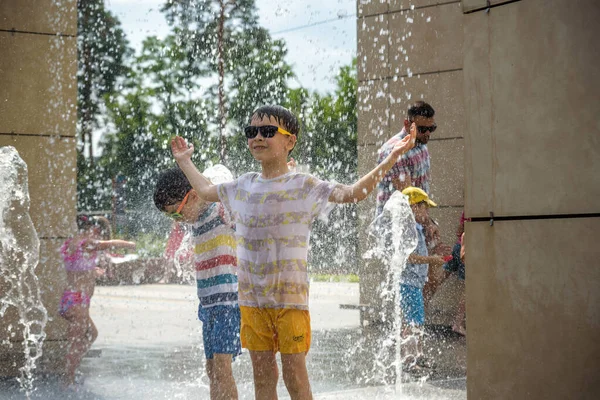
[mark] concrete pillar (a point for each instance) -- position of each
(410, 50)
(38, 90)
(532, 100)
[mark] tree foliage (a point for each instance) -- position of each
(328, 145)
(172, 88)
(102, 53)
(224, 40)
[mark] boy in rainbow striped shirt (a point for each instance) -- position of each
(214, 260)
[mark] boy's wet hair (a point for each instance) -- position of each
(85, 222)
(171, 187)
(420, 108)
(105, 228)
(284, 117)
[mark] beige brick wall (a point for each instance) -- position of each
(532, 99)
(37, 116)
(411, 50)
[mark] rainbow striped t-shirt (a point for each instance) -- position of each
(272, 225)
(215, 258)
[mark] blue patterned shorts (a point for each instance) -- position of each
(220, 330)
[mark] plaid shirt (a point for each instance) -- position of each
(414, 163)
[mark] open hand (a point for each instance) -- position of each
(407, 143)
(436, 261)
(292, 164)
(180, 149)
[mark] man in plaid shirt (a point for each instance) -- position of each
(413, 169)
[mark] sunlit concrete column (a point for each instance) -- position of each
(532, 98)
(407, 51)
(38, 89)
(426, 46)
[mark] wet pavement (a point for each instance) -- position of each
(150, 347)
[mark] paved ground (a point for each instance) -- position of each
(149, 347)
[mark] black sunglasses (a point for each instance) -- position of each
(423, 129)
(267, 131)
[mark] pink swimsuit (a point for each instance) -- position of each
(80, 260)
(70, 299)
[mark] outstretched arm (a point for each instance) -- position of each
(433, 261)
(361, 189)
(114, 244)
(183, 153)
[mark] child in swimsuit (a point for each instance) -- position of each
(80, 255)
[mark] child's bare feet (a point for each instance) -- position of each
(410, 366)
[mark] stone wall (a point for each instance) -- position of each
(516, 87)
(38, 89)
(532, 100)
(407, 51)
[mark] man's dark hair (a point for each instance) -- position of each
(420, 108)
(171, 187)
(283, 116)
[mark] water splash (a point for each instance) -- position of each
(183, 257)
(393, 237)
(19, 255)
(218, 174)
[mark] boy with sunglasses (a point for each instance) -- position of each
(214, 260)
(273, 211)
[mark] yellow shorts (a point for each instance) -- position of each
(285, 330)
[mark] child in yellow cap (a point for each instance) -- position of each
(412, 281)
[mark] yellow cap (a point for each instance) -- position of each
(417, 195)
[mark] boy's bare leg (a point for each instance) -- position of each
(434, 281)
(220, 375)
(295, 376)
(266, 373)
(458, 325)
(410, 346)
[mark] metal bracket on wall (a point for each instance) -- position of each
(489, 5)
(494, 218)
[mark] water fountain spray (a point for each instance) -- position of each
(393, 238)
(19, 254)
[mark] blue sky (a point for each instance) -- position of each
(315, 52)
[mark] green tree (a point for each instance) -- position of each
(102, 57)
(102, 51)
(328, 140)
(328, 144)
(174, 85)
(224, 39)
(157, 103)
(260, 77)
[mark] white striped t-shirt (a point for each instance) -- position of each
(272, 223)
